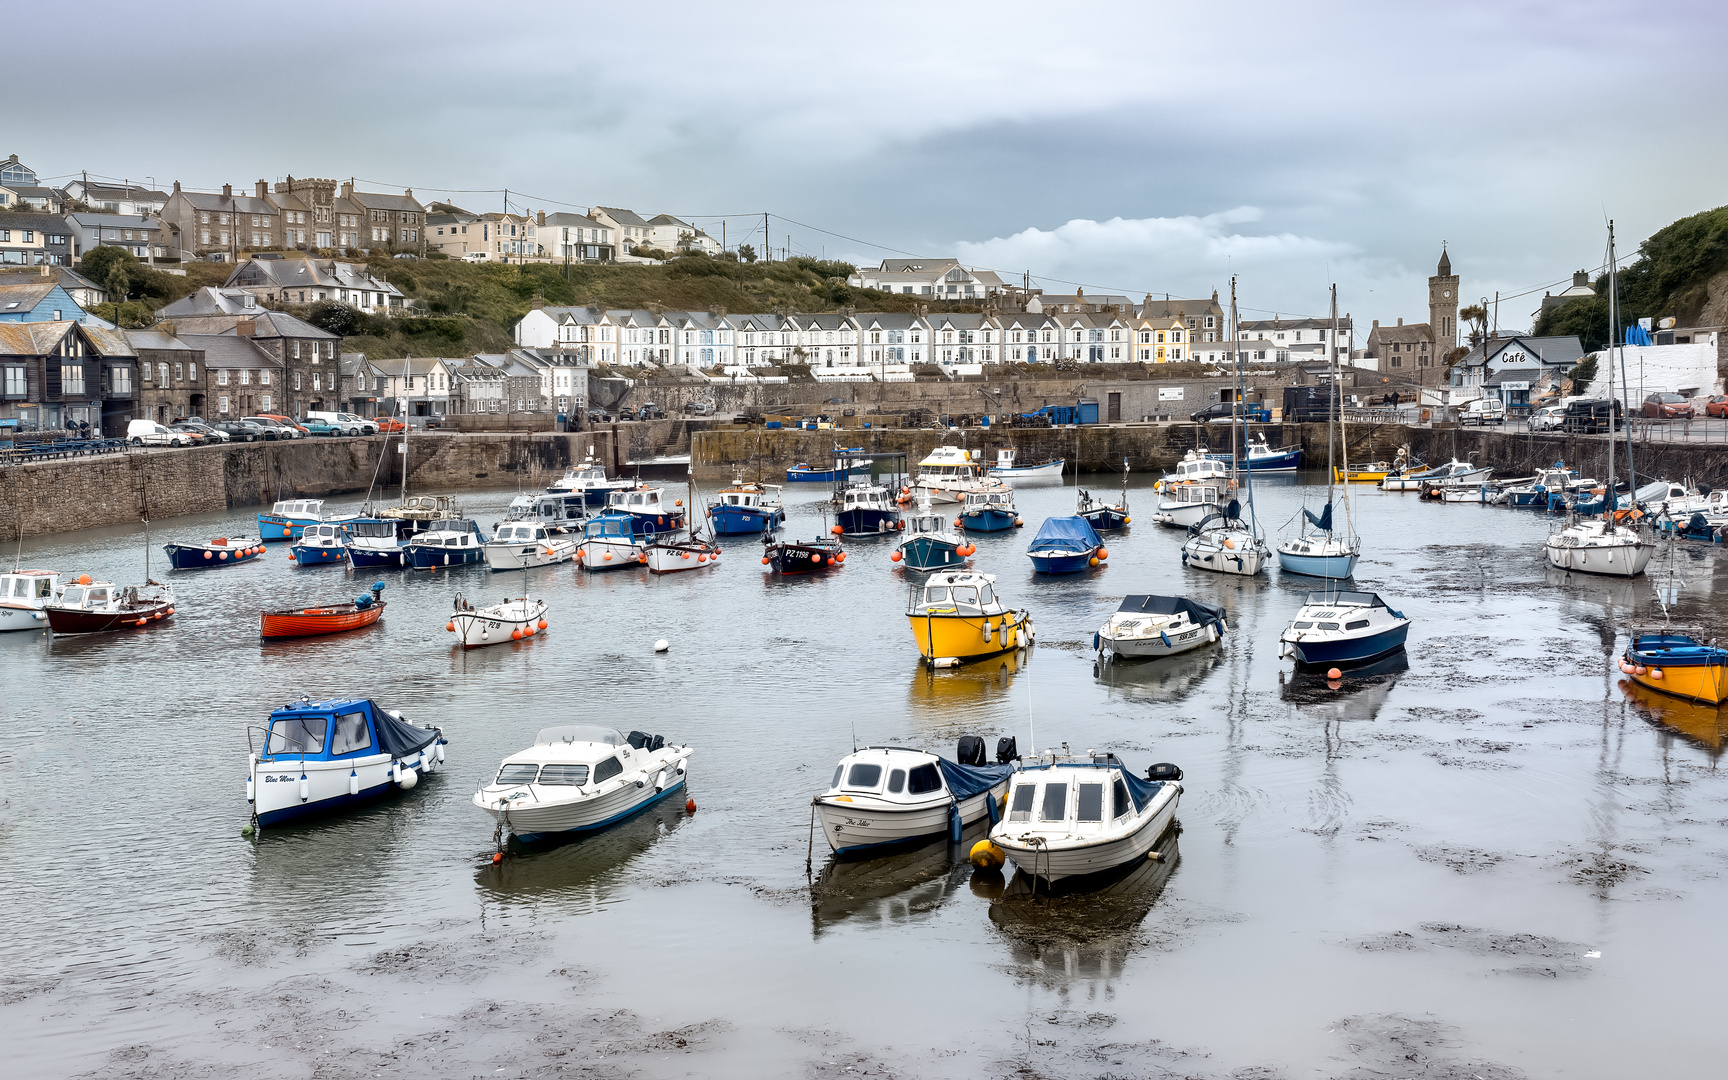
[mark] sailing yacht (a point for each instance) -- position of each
(1223, 541)
(1322, 552)
(1602, 545)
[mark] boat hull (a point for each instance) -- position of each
(929, 553)
(1245, 557)
(1158, 645)
(1050, 470)
(968, 637)
(853, 830)
(988, 520)
(1062, 562)
(428, 557)
(803, 558)
(1287, 461)
(1057, 861)
(1350, 650)
(210, 556)
(610, 553)
(1106, 519)
(528, 820)
(499, 624)
(311, 622)
(20, 617)
(672, 559)
(744, 520)
(1320, 566)
(1183, 515)
(867, 521)
(330, 787)
(72, 621)
(317, 556)
(518, 556)
(283, 526)
(366, 558)
(1619, 560)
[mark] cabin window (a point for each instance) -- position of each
(607, 769)
(1022, 808)
(838, 770)
(1303, 626)
(297, 735)
(1055, 803)
(1359, 624)
(966, 594)
(986, 596)
(864, 776)
(520, 772)
(351, 734)
(923, 779)
(1089, 802)
(1119, 793)
(564, 775)
(1328, 626)
(897, 781)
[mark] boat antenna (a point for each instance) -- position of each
(854, 736)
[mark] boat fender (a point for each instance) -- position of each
(1096, 643)
(305, 787)
(985, 855)
(251, 793)
(353, 782)
(1211, 632)
(987, 630)
(1022, 639)
(945, 662)
(1655, 673)
(992, 808)
(954, 824)
(1165, 638)
(406, 778)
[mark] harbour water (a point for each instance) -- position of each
(1493, 861)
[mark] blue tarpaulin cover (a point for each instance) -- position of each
(396, 737)
(1141, 791)
(1324, 521)
(966, 781)
(1065, 534)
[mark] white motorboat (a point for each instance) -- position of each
(669, 556)
(885, 795)
(1189, 502)
(1008, 468)
(949, 472)
(446, 543)
(507, 620)
(1195, 465)
(580, 778)
(23, 595)
(1151, 626)
(520, 544)
(589, 481)
(1452, 470)
(1226, 544)
(609, 543)
(375, 542)
(1073, 815)
(1594, 546)
(322, 756)
(1338, 627)
(559, 511)
(320, 545)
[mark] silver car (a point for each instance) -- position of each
(1547, 418)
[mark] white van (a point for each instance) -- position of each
(477, 256)
(1484, 411)
(347, 423)
(150, 433)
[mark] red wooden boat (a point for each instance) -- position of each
(95, 607)
(325, 618)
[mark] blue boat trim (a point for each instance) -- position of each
(614, 819)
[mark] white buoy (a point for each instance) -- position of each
(662, 645)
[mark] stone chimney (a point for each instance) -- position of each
(263, 189)
(246, 328)
(176, 187)
(408, 192)
(1400, 322)
(347, 189)
(540, 218)
(227, 191)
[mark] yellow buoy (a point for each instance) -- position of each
(986, 856)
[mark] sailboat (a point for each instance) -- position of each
(1104, 516)
(1223, 541)
(1323, 553)
(1601, 545)
(416, 515)
(667, 554)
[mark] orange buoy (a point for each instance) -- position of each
(84, 579)
(1334, 673)
(959, 523)
(1093, 561)
(207, 554)
(1018, 522)
(642, 558)
(1103, 553)
(689, 806)
(677, 502)
(1656, 673)
(497, 857)
(835, 530)
(765, 560)
(291, 557)
(895, 556)
(542, 624)
(581, 553)
(701, 558)
(840, 557)
(450, 626)
(686, 556)
(516, 635)
(607, 556)
(817, 559)
(222, 555)
(1229, 543)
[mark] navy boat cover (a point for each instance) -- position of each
(1141, 791)
(1147, 604)
(396, 737)
(1065, 534)
(966, 781)
(1323, 522)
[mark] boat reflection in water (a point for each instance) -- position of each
(1706, 725)
(1088, 927)
(1622, 593)
(1357, 696)
(1168, 679)
(970, 684)
(580, 870)
(894, 889)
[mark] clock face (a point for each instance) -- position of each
(1445, 294)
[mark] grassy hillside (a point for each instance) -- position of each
(1672, 277)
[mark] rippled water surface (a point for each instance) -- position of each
(1493, 860)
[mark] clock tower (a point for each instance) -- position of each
(1443, 306)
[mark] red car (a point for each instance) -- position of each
(1668, 407)
(1716, 406)
(388, 425)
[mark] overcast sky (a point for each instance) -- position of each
(1128, 147)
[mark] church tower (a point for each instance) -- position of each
(1443, 306)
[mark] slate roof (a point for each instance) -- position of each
(31, 339)
(114, 221)
(1409, 332)
(1564, 350)
(302, 270)
(211, 300)
(157, 340)
(237, 204)
(579, 220)
(230, 352)
(15, 298)
(67, 277)
(378, 200)
(49, 223)
(97, 190)
(622, 217)
(668, 219)
(1269, 325)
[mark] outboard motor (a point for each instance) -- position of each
(638, 740)
(659, 743)
(1006, 750)
(970, 751)
(1163, 771)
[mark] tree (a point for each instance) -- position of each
(1586, 317)
(1477, 316)
(747, 252)
(335, 317)
(102, 263)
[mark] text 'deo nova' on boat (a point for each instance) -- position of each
(1151, 626)
(1073, 815)
(955, 616)
(324, 756)
(886, 795)
(580, 778)
(310, 621)
(1343, 628)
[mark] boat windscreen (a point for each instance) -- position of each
(1364, 599)
(574, 733)
(297, 735)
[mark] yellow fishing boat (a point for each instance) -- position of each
(1672, 660)
(1371, 472)
(1706, 725)
(956, 616)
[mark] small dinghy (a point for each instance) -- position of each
(1343, 628)
(222, 551)
(1151, 626)
(803, 556)
(23, 595)
(1073, 815)
(320, 545)
(324, 756)
(580, 778)
(97, 607)
(363, 610)
(508, 620)
(1101, 514)
(886, 795)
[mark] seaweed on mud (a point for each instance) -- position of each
(1390, 1046)
(1464, 860)
(1525, 954)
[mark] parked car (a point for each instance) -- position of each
(209, 429)
(198, 437)
(278, 429)
(288, 422)
(474, 256)
(599, 416)
(1547, 418)
(246, 431)
(1230, 410)
(389, 425)
(1667, 407)
(1484, 411)
(347, 422)
(1716, 406)
(649, 411)
(320, 427)
(150, 433)
(703, 408)
(1591, 415)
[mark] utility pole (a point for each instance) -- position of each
(767, 240)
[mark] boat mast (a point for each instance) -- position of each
(1332, 402)
(1609, 496)
(1242, 415)
(1343, 424)
(407, 384)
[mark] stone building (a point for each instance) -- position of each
(65, 375)
(1417, 352)
(240, 377)
(170, 383)
(306, 355)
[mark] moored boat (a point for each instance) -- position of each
(949, 472)
(955, 616)
(580, 778)
(1186, 503)
(930, 543)
(23, 595)
(97, 607)
(1065, 545)
(1598, 546)
(375, 543)
(1007, 467)
(849, 462)
(222, 551)
(883, 796)
(320, 545)
(452, 542)
(746, 509)
(988, 511)
(609, 543)
(562, 512)
(325, 756)
(802, 556)
(589, 481)
(1145, 626)
(520, 544)
(417, 513)
(1226, 544)
(287, 518)
(1340, 627)
(648, 510)
(1677, 660)
(494, 624)
(866, 508)
(1070, 816)
(1264, 458)
(1452, 470)
(362, 611)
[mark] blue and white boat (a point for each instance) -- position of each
(866, 509)
(589, 481)
(885, 796)
(321, 545)
(289, 517)
(581, 778)
(376, 543)
(1535, 494)
(1105, 516)
(1264, 458)
(931, 543)
(451, 542)
(1070, 815)
(1320, 553)
(561, 512)
(1008, 468)
(1065, 545)
(1338, 628)
(222, 551)
(746, 509)
(1453, 470)
(647, 509)
(989, 511)
(325, 756)
(609, 542)
(845, 464)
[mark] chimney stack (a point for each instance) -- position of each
(540, 218)
(227, 191)
(176, 187)
(263, 189)
(246, 328)
(347, 189)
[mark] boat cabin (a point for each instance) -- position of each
(989, 500)
(644, 500)
(450, 532)
(31, 588)
(1339, 611)
(312, 509)
(949, 463)
(87, 595)
(959, 593)
(370, 528)
(1075, 798)
(573, 755)
(609, 526)
(896, 773)
(746, 495)
(520, 532)
(1196, 467)
(427, 506)
(866, 497)
(1193, 492)
(928, 524)
(324, 536)
(562, 508)
(338, 730)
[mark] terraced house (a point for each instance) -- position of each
(217, 227)
(35, 240)
(65, 375)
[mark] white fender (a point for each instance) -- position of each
(987, 630)
(406, 778)
(440, 751)
(305, 787)
(250, 794)
(353, 782)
